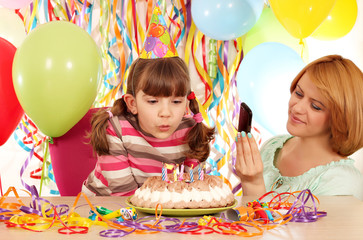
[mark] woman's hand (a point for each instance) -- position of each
(249, 166)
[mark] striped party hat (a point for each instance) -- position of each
(158, 43)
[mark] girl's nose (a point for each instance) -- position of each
(165, 110)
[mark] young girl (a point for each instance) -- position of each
(146, 128)
(326, 126)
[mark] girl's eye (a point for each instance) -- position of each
(177, 100)
(152, 101)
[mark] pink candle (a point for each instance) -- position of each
(181, 172)
(200, 173)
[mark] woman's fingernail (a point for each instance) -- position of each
(238, 136)
(249, 135)
(243, 134)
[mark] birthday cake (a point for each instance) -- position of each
(211, 192)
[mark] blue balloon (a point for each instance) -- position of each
(226, 19)
(263, 83)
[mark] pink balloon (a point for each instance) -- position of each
(160, 49)
(15, 4)
(72, 157)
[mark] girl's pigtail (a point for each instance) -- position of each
(99, 124)
(200, 135)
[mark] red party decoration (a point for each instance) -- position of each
(10, 109)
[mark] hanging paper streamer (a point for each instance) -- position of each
(212, 64)
(32, 142)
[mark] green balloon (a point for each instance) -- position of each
(57, 71)
(269, 29)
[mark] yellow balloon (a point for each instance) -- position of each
(339, 22)
(269, 29)
(301, 17)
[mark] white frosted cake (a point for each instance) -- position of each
(211, 192)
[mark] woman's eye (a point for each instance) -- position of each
(299, 94)
(315, 107)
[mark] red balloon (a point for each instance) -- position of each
(10, 109)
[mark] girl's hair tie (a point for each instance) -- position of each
(110, 114)
(191, 95)
(198, 117)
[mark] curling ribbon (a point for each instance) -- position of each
(41, 215)
(35, 143)
(31, 138)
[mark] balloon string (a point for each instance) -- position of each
(44, 166)
(302, 48)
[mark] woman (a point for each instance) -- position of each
(325, 125)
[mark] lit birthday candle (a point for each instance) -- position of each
(191, 174)
(200, 173)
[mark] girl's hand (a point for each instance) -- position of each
(249, 166)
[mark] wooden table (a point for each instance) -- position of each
(344, 220)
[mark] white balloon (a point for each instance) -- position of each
(11, 27)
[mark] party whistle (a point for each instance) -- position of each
(256, 205)
(269, 215)
(121, 214)
(114, 214)
(244, 213)
(103, 211)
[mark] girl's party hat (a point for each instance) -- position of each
(158, 43)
